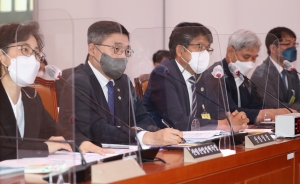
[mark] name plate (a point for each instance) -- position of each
(201, 152)
(258, 140)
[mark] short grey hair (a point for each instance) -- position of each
(244, 39)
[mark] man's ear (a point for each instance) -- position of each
(230, 52)
(273, 49)
(91, 49)
(179, 50)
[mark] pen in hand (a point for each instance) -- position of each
(168, 126)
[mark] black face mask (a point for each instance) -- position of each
(112, 67)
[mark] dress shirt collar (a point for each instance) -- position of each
(101, 78)
(185, 73)
(277, 66)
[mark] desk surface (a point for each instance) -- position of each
(177, 171)
(243, 165)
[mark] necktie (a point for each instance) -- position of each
(283, 75)
(194, 100)
(110, 98)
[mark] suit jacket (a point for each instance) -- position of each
(249, 102)
(267, 76)
(38, 125)
(59, 84)
(167, 98)
(94, 121)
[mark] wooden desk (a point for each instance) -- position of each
(263, 165)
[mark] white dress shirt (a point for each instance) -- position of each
(18, 109)
(103, 82)
(279, 68)
(186, 75)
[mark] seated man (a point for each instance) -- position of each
(282, 84)
(157, 58)
(103, 106)
(243, 48)
(169, 95)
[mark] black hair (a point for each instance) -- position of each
(16, 32)
(184, 33)
(277, 34)
(100, 30)
(159, 55)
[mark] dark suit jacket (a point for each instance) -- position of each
(167, 98)
(96, 123)
(267, 76)
(38, 125)
(59, 84)
(249, 103)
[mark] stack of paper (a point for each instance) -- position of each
(201, 136)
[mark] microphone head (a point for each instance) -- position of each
(234, 69)
(53, 72)
(288, 66)
(218, 71)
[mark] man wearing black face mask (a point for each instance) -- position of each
(102, 79)
(283, 84)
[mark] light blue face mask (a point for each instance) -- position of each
(290, 54)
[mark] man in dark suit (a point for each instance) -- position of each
(283, 84)
(170, 95)
(107, 97)
(243, 48)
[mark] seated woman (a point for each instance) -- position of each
(25, 126)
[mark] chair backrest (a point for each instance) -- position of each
(140, 88)
(47, 92)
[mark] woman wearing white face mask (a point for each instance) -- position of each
(22, 115)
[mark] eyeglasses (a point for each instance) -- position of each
(118, 49)
(290, 44)
(28, 51)
(203, 47)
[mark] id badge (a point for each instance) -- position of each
(292, 100)
(205, 115)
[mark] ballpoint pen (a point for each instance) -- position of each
(168, 126)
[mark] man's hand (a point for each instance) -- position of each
(87, 146)
(167, 136)
(271, 113)
(54, 146)
(239, 122)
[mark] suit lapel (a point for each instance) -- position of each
(31, 127)
(276, 78)
(121, 98)
(98, 92)
(181, 83)
(8, 121)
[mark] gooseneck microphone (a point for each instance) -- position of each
(218, 73)
(235, 70)
(289, 67)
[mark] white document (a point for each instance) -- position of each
(200, 136)
(61, 157)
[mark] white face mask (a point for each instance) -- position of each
(244, 66)
(199, 61)
(23, 69)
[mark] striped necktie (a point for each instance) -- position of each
(194, 99)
